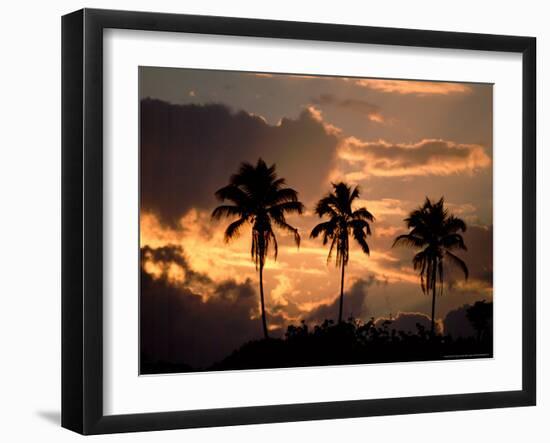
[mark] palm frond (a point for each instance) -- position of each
(458, 262)
(420, 263)
(354, 194)
(327, 206)
(455, 224)
(453, 241)
(228, 211)
(283, 195)
(440, 272)
(259, 197)
(273, 238)
(287, 206)
(342, 248)
(234, 194)
(278, 183)
(342, 200)
(327, 228)
(360, 236)
(360, 224)
(363, 214)
(281, 223)
(408, 240)
(331, 249)
(262, 239)
(232, 230)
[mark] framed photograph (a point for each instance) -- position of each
(269, 221)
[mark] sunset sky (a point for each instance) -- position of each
(399, 141)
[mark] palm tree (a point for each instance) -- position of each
(343, 222)
(436, 233)
(261, 199)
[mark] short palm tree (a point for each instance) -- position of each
(258, 198)
(343, 222)
(435, 233)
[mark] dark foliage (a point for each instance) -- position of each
(351, 342)
(480, 315)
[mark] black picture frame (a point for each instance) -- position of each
(82, 218)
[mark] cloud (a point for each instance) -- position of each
(369, 110)
(383, 207)
(456, 323)
(189, 151)
(426, 157)
(354, 304)
(178, 319)
(479, 258)
(169, 263)
(418, 88)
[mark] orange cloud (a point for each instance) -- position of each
(383, 207)
(426, 157)
(387, 231)
(317, 115)
(299, 277)
(420, 88)
(377, 118)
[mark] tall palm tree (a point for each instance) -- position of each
(260, 199)
(343, 222)
(435, 233)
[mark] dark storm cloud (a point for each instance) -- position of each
(179, 325)
(173, 254)
(189, 151)
(456, 323)
(354, 304)
(478, 257)
(357, 105)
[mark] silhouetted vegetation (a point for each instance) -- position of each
(347, 342)
(480, 315)
(343, 222)
(261, 199)
(436, 233)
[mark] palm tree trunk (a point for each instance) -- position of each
(434, 279)
(264, 322)
(341, 295)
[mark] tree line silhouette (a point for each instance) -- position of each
(261, 199)
(349, 342)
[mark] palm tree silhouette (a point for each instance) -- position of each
(343, 221)
(260, 198)
(436, 233)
